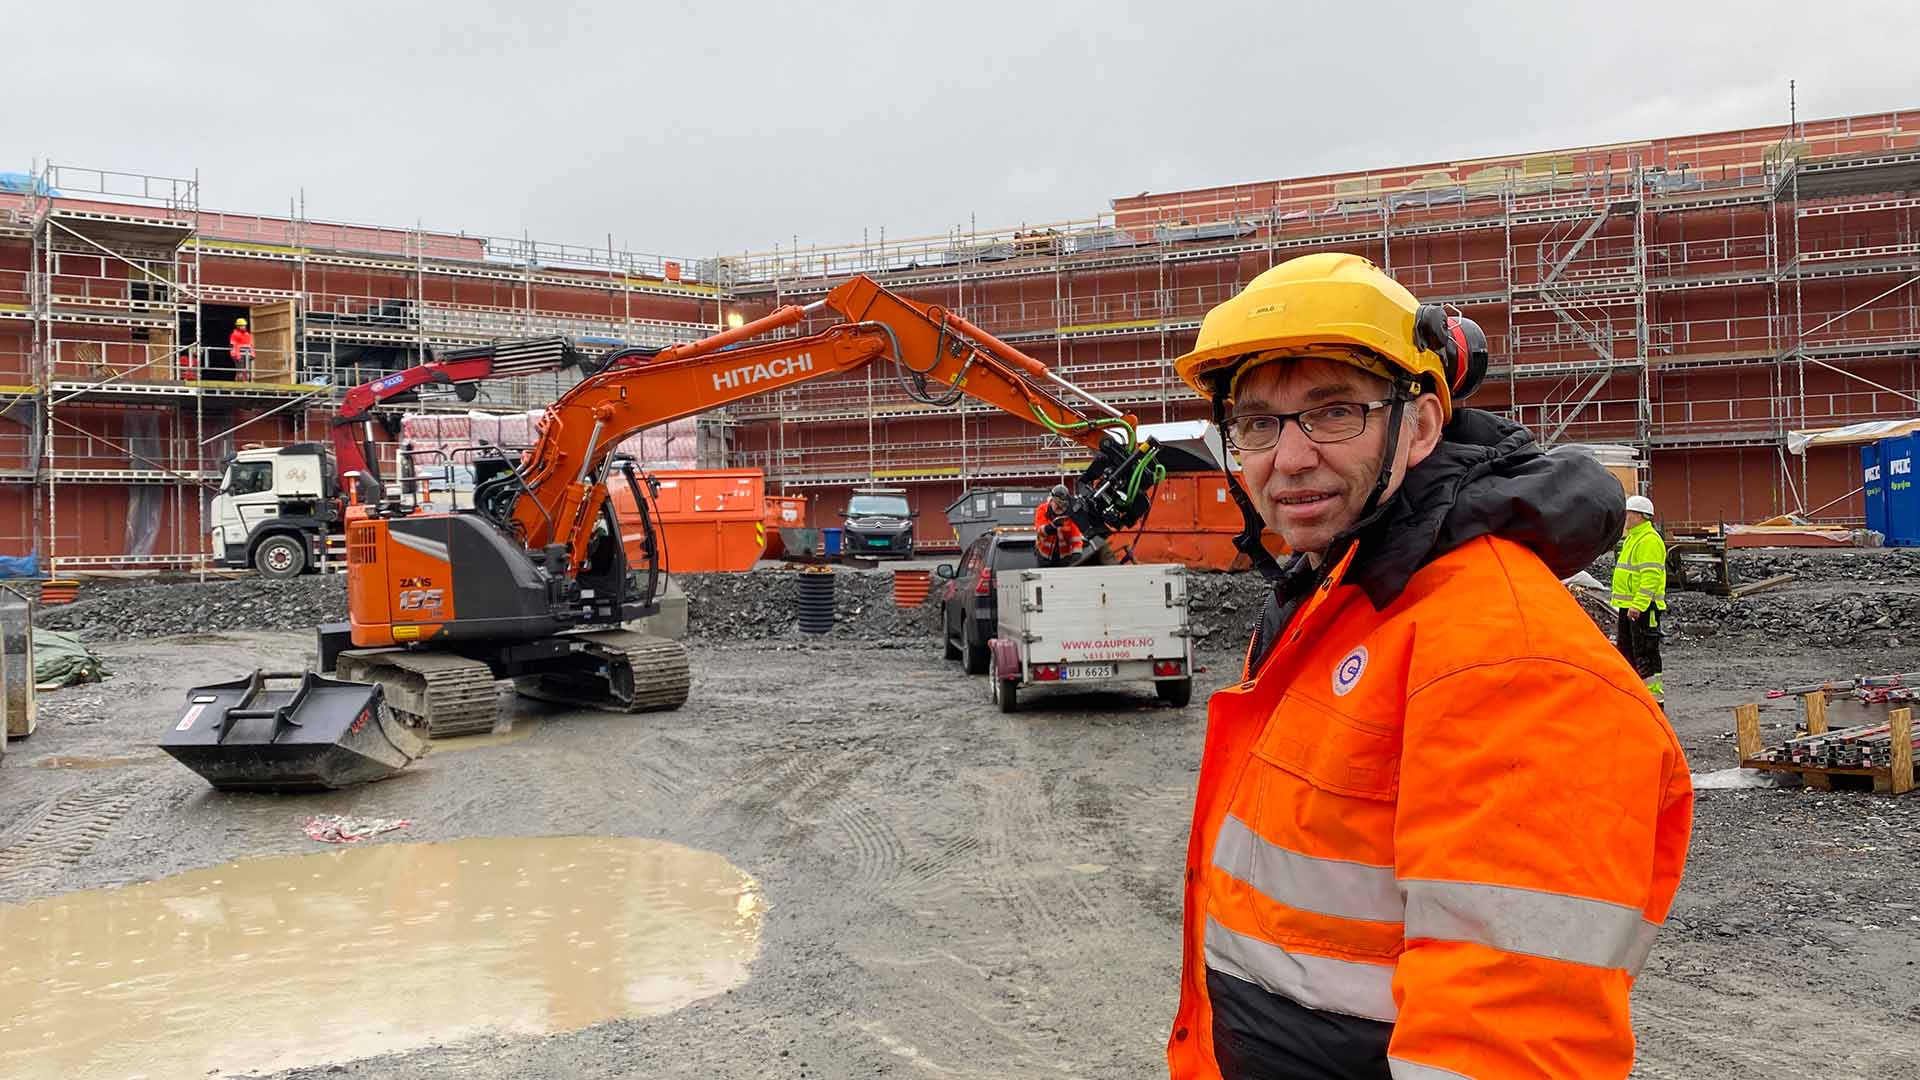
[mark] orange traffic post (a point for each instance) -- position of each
(910, 587)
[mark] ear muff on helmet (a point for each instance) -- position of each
(1461, 344)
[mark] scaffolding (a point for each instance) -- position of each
(1695, 298)
(113, 287)
(108, 290)
(1624, 288)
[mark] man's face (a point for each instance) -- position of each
(1311, 492)
(1058, 504)
(1634, 517)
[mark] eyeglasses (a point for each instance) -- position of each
(1331, 423)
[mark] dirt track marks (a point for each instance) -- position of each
(66, 830)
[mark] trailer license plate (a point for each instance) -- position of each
(1087, 671)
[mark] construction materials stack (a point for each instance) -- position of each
(1869, 746)
(1878, 754)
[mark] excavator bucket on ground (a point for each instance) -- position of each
(315, 735)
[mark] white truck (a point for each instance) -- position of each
(276, 507)
(1084, 625)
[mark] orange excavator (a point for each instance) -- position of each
(534, 581)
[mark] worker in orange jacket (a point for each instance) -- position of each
(1440, 820)
(240, 349)
(1056, 536)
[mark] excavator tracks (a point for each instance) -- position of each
(623, 672)
(439, 693)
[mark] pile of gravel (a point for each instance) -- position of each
(756, 605)
(1873, 618)
(1833, 600)
(763, 604)
(1809, 566)
(1872, 565)
(117, 613)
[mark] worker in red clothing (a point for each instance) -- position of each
(1439, 820)
(1056, 536)
(240, 349)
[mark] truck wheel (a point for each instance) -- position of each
(280, 557)
(1175, 692)
(976, 661)
(951, 650)
(1006, 694)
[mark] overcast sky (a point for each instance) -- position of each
(692, 128)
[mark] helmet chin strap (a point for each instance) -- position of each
(1372, 510)
(1252, 524)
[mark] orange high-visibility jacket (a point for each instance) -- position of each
(1439, 820)
(1456, 821)
(1055, 535)
(239, 343)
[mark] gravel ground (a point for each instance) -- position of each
(956, 892)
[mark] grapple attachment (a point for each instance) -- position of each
(314, 735)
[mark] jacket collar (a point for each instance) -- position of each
(1488, 477)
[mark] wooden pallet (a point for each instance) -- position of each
(1895, 779)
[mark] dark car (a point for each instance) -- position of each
(878, 523)
(968, 616)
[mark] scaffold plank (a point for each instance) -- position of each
(132, 476)
(1867, 207)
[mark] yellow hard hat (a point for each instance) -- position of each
(239, 322)
(1342, 307)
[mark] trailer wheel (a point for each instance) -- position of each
(1006, 694)
(280, 557)
(1175, 692)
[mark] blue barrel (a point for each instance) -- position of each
(830, 541)
(1903, 501)
(1873, 484)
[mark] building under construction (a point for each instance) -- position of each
(1692, 299)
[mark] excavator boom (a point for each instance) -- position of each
(939, 355)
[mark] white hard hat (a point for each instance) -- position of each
(1640, 504)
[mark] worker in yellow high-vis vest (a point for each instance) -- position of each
(1640, 594)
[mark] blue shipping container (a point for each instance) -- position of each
(1903, 501)
(1874, 486)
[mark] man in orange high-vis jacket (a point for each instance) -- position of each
(1056, 535)
(1440, 820)
(240, 349)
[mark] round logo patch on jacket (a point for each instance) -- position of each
(1348, 673)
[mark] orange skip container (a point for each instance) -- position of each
(1193, 523)
(710, 519)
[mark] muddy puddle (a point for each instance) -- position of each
(521, 729)
(268, 964)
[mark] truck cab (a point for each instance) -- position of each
(274, 509)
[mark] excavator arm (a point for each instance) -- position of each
(463, 370)
(556, 495)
